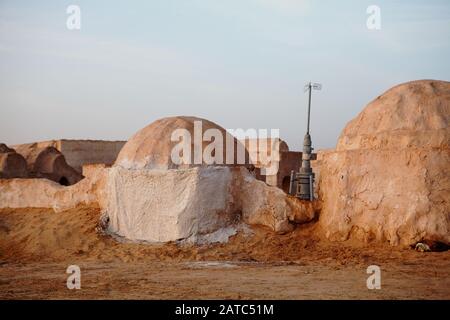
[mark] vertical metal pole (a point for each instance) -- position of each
(309, 107)
(306, 175)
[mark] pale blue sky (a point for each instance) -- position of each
(240, 63)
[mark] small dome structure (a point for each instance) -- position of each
(49, 163)
(12, 164)
(152, 198)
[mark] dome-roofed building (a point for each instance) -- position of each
(412, 114)
(152, 198)
(389, 178)
(49, 163)
(12, 164)
(153, 147)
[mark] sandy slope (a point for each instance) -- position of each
(37, 245)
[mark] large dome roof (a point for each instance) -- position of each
(413, 114)
(152, 146)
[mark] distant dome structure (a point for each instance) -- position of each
(12, 164)
(5, 149)
(49, 163)
(152, 146)
(412, 114)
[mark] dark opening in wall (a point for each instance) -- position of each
(285, 184)
(63, 181)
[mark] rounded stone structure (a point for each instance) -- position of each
(151, 198)
(155, 146)
(412, 114)
(388, 180)
(5, 149)
(51, 164)
(12, 164)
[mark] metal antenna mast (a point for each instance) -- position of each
(305, 177)
(309, 107)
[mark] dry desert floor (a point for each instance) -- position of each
(37, 246)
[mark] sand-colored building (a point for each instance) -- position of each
(274, 160)
(79, 152)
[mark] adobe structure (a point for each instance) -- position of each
(51, 164)
(387, 180)
(274, 160)
(79, 152)
(61, 161)
(12, 164)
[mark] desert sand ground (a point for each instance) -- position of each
(37, 246)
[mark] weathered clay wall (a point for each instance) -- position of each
(12, 164)
(270, 206)
(157, 205)
(262, 154)
(43, 193)
(399, 196)
(169, 205)
(49, 163)
(388, 180)
(81, 152)
(188, 204)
